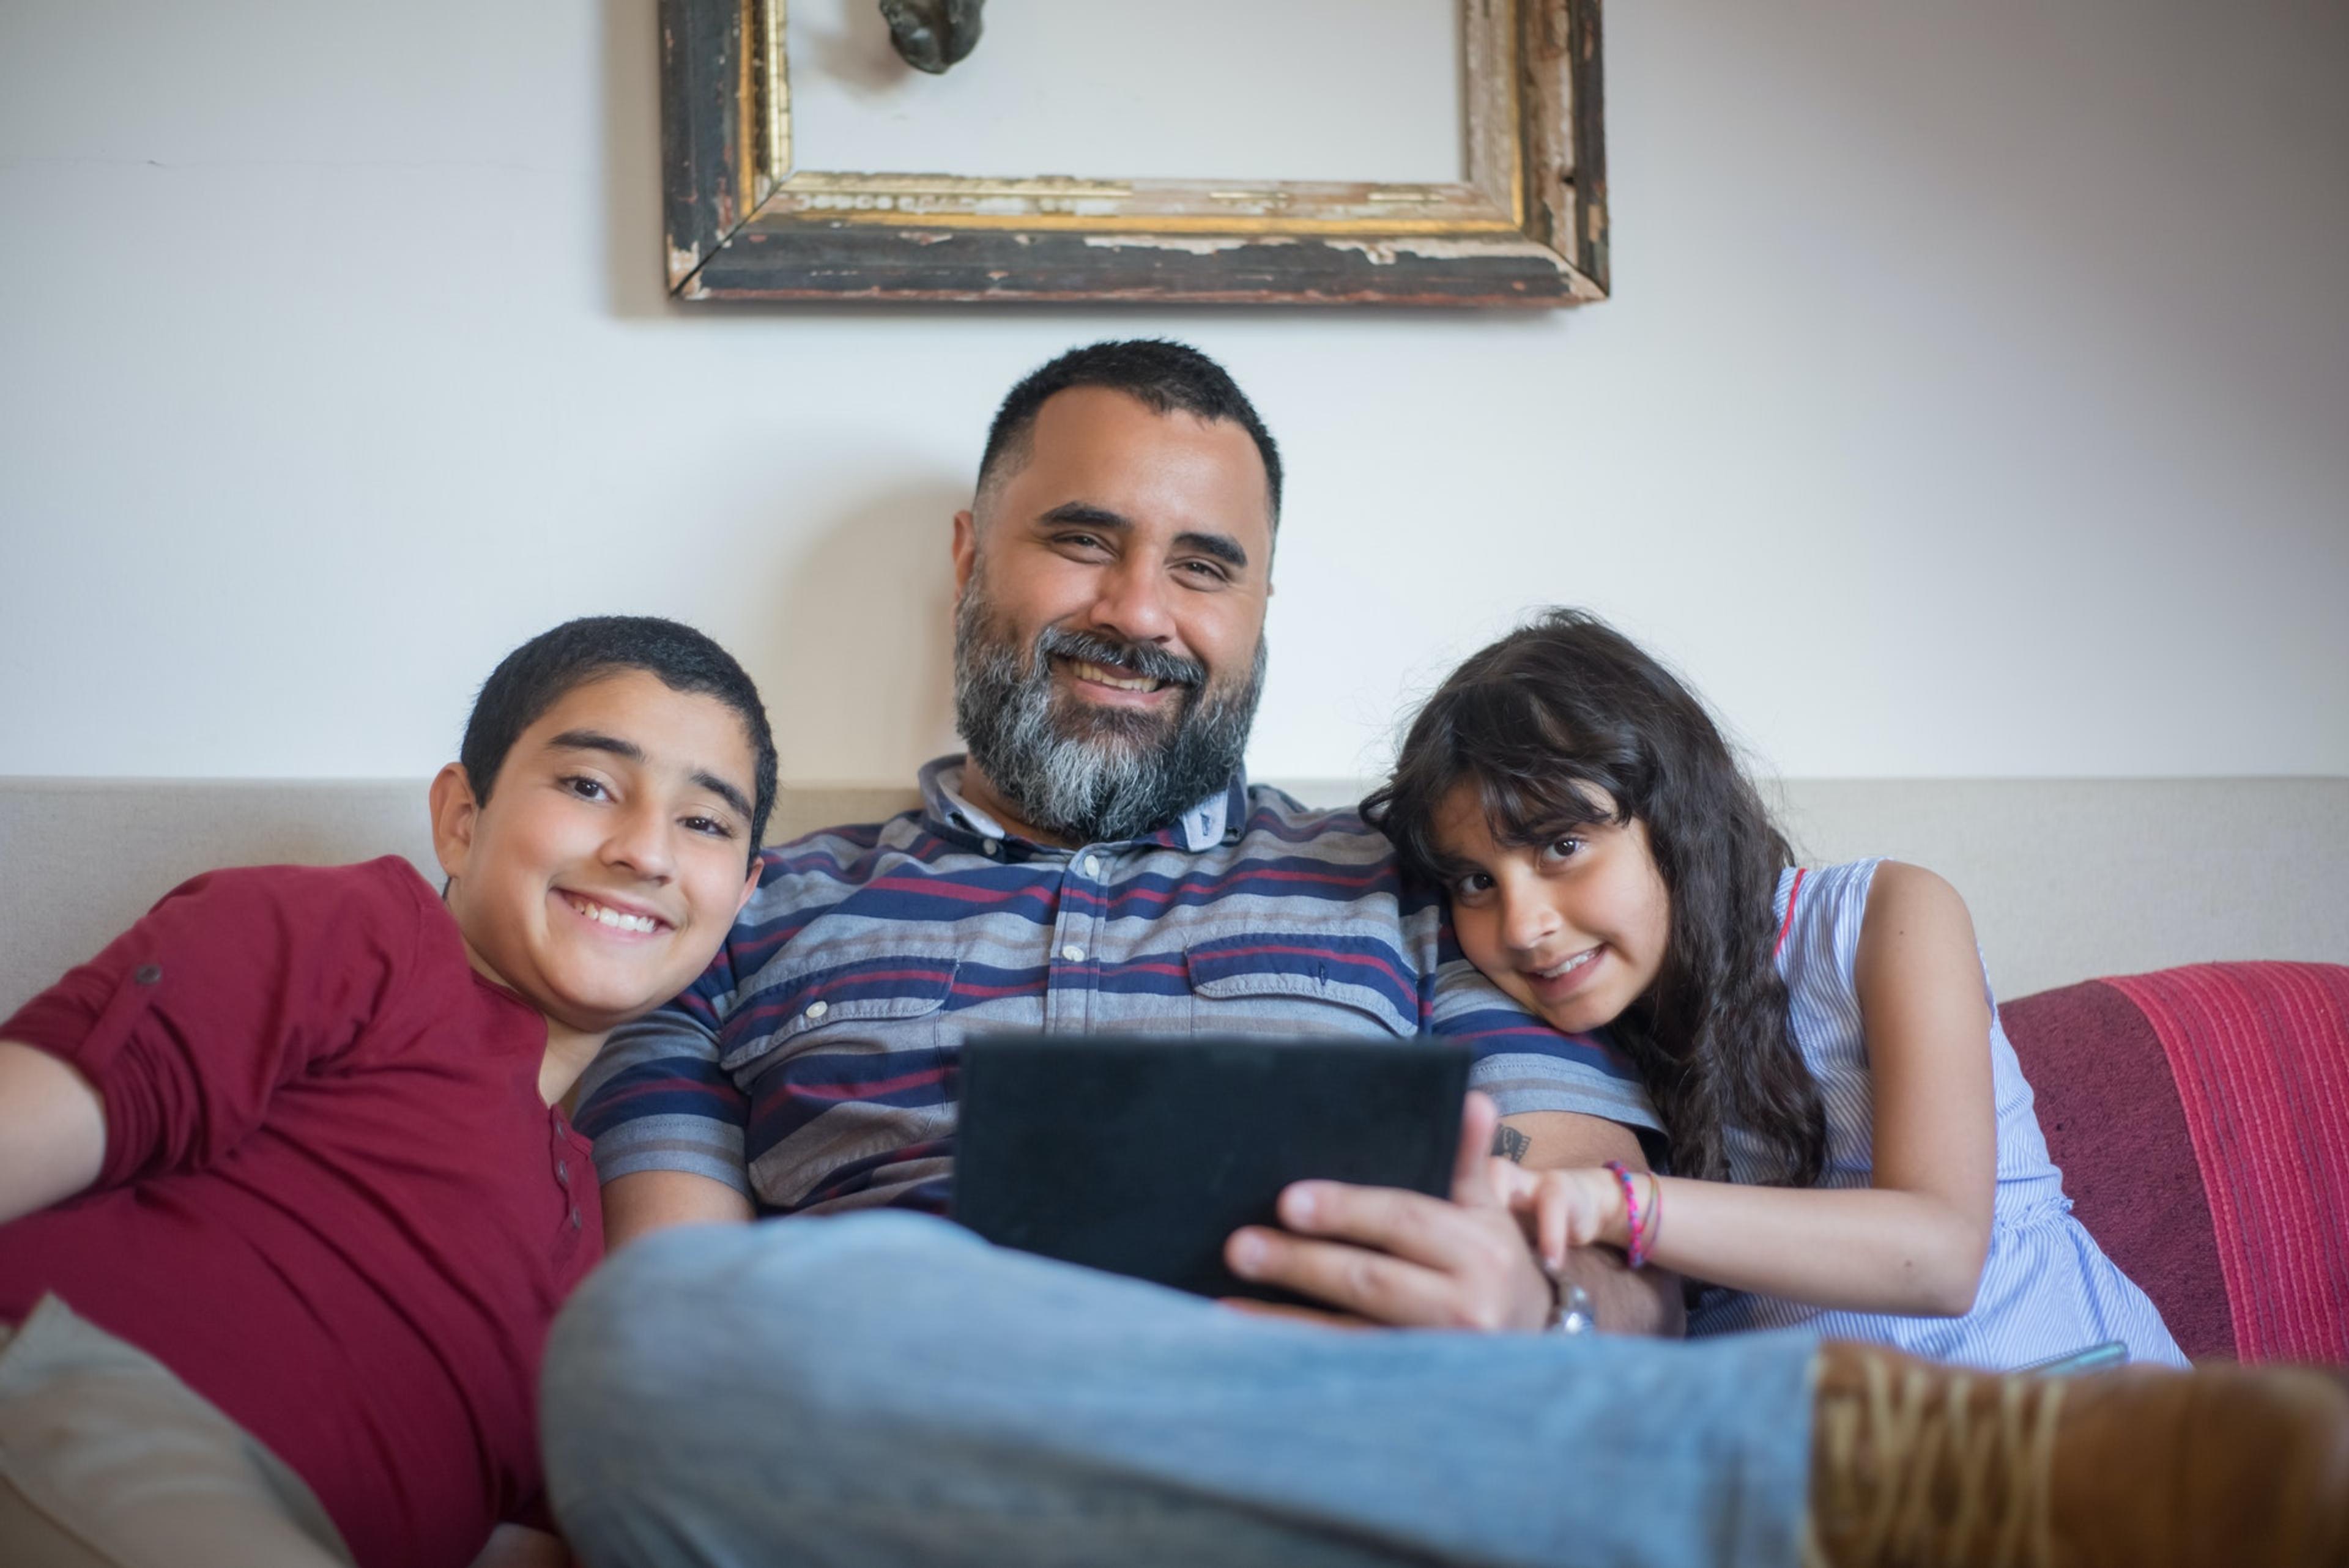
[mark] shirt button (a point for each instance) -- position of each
(818, 1009)
(148, 973)
(574, 1219)
(1092, 866)
(1073, 953)
(991, 847)
(562, 1172)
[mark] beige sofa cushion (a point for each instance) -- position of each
(2067, 878)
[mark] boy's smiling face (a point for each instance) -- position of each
(609, 861)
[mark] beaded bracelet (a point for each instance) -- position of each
(1634, 1222)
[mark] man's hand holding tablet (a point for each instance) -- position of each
(1388, 1256)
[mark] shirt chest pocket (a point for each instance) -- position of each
(876, 1002)
(1300, 985)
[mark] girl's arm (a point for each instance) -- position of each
(1911, 1242)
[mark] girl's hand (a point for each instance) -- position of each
(1562, 1209)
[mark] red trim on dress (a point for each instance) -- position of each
(1787, 924)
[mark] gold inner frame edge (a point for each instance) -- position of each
(773, 105)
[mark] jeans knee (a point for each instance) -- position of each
(649, 1325)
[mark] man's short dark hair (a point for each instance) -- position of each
(1156, 372)
(542, 671)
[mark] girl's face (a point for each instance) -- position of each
(1575, 928)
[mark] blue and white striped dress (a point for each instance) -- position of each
(2046, 1289)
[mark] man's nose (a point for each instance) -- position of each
(1132, 603)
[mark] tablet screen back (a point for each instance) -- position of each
(1140, 1156)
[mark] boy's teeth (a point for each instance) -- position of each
(613, 917)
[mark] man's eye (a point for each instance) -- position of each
(1082, 540)
(1208, 570)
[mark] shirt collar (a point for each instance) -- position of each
(1197, 830)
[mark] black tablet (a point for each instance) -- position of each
(1141, 1155)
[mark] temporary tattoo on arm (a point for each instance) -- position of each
(1511, 1144)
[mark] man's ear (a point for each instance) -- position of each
(966, 551)
(454, 813)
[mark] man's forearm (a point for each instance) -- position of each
(52, 1130)
(648, 1201)
(1623, 1301)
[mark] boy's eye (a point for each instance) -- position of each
(709, 825)
(586, 789)
(1471, 884)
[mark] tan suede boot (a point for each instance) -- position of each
(1919, 1465)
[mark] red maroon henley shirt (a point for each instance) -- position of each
(332, 1201)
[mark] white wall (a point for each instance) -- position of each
(1974, 400)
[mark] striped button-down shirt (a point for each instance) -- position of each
(811, 1066)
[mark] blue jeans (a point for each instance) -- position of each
(885, 1388)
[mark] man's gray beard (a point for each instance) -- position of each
(1087, 773)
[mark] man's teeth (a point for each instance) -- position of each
(1571, 964)
(613, 917)
(1109, 678)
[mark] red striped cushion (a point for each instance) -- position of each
(2114, 1124)
(2260, 1057)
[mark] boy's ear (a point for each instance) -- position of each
(749, 887)
(454, 812)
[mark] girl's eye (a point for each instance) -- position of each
(586, 789)
(1564, 848)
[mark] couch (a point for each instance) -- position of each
(2199, 1109)
(2200, 1115)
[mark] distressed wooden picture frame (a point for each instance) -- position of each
(1526, 227)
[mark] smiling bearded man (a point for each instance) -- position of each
(1084, 771)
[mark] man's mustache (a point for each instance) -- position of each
(1136, 659)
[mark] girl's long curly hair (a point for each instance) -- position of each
(1534, 724)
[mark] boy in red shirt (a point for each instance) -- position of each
(288, 1199)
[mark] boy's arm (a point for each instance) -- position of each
(184, 1027)
(52, 1130)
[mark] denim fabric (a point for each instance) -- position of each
(885, 1388)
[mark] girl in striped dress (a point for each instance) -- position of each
(1852, 1139)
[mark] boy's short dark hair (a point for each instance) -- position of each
(1162, 375)
(542, 671)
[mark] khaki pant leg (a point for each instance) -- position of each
(108, 1460)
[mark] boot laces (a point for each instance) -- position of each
(1926, 1444)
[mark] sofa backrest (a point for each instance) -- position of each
(2067, 878)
